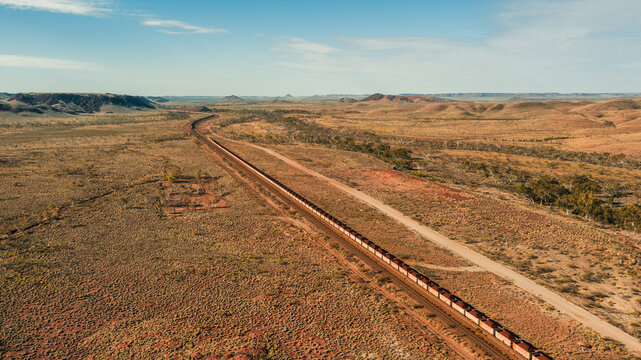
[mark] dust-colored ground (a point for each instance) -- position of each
(606, 126)
(97, 260)
(517, 310)
(594, 267)
(104, 254)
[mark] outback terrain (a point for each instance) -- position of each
(122, 237)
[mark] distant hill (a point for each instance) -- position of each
(77, 103)
(4, 96)
(399, 98)
(531, 96)
(158, 99)
(232, 98)
(16, 107)
(347, 100)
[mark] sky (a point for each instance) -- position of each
(278, 47)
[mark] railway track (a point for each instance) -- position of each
(457, 323)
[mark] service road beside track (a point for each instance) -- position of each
(455, 321)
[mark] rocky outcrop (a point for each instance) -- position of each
(79, 103)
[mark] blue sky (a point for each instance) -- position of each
(304, 48)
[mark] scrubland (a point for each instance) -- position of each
(466, 177)
(121, 238)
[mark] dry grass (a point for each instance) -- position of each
(117, 277)
(552, 247)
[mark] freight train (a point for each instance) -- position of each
(429, 287)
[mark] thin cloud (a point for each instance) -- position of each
(563, 45)
(76, 7)
(303, 46)
(179, 27)
(19, 61)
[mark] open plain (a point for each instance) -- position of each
(121, 236)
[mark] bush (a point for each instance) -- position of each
(173, 173)
(583, 197)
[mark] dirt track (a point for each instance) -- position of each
(564, 306)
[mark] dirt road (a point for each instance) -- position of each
(456, 323)
(564, 306)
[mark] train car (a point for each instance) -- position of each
(365, 243)
(460, 306)
(395, 263)
(387, 257)
(369, 246)
(433, 288)
(359, 239)
(412, 274)
(402, 268)
(524, 349)
(445, 296)
(475, 315)
(379, 251)
(506, 336)
(540, 356)
(489, 325)
(422, 281)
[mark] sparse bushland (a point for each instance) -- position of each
(543, 152)
(308, 131)
(584, 197)
(579, 194)
(556, 250)
(100, 270)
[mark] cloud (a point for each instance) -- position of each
(540, 45)
(179, 27)
(47, 63)
(77, 7)
(305, 55)
(304, 47)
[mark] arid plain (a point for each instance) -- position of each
(122, 236)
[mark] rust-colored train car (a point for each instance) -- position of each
(433, 288)
(506, 336)
(412, 274)
(445, 296)
(370, 246)
(378, 251)
(402, 268)
(460, 306)
(489, 326)
(395, 263)
(540, 356)
(422, 281)
(524, 348)
(475, 315)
